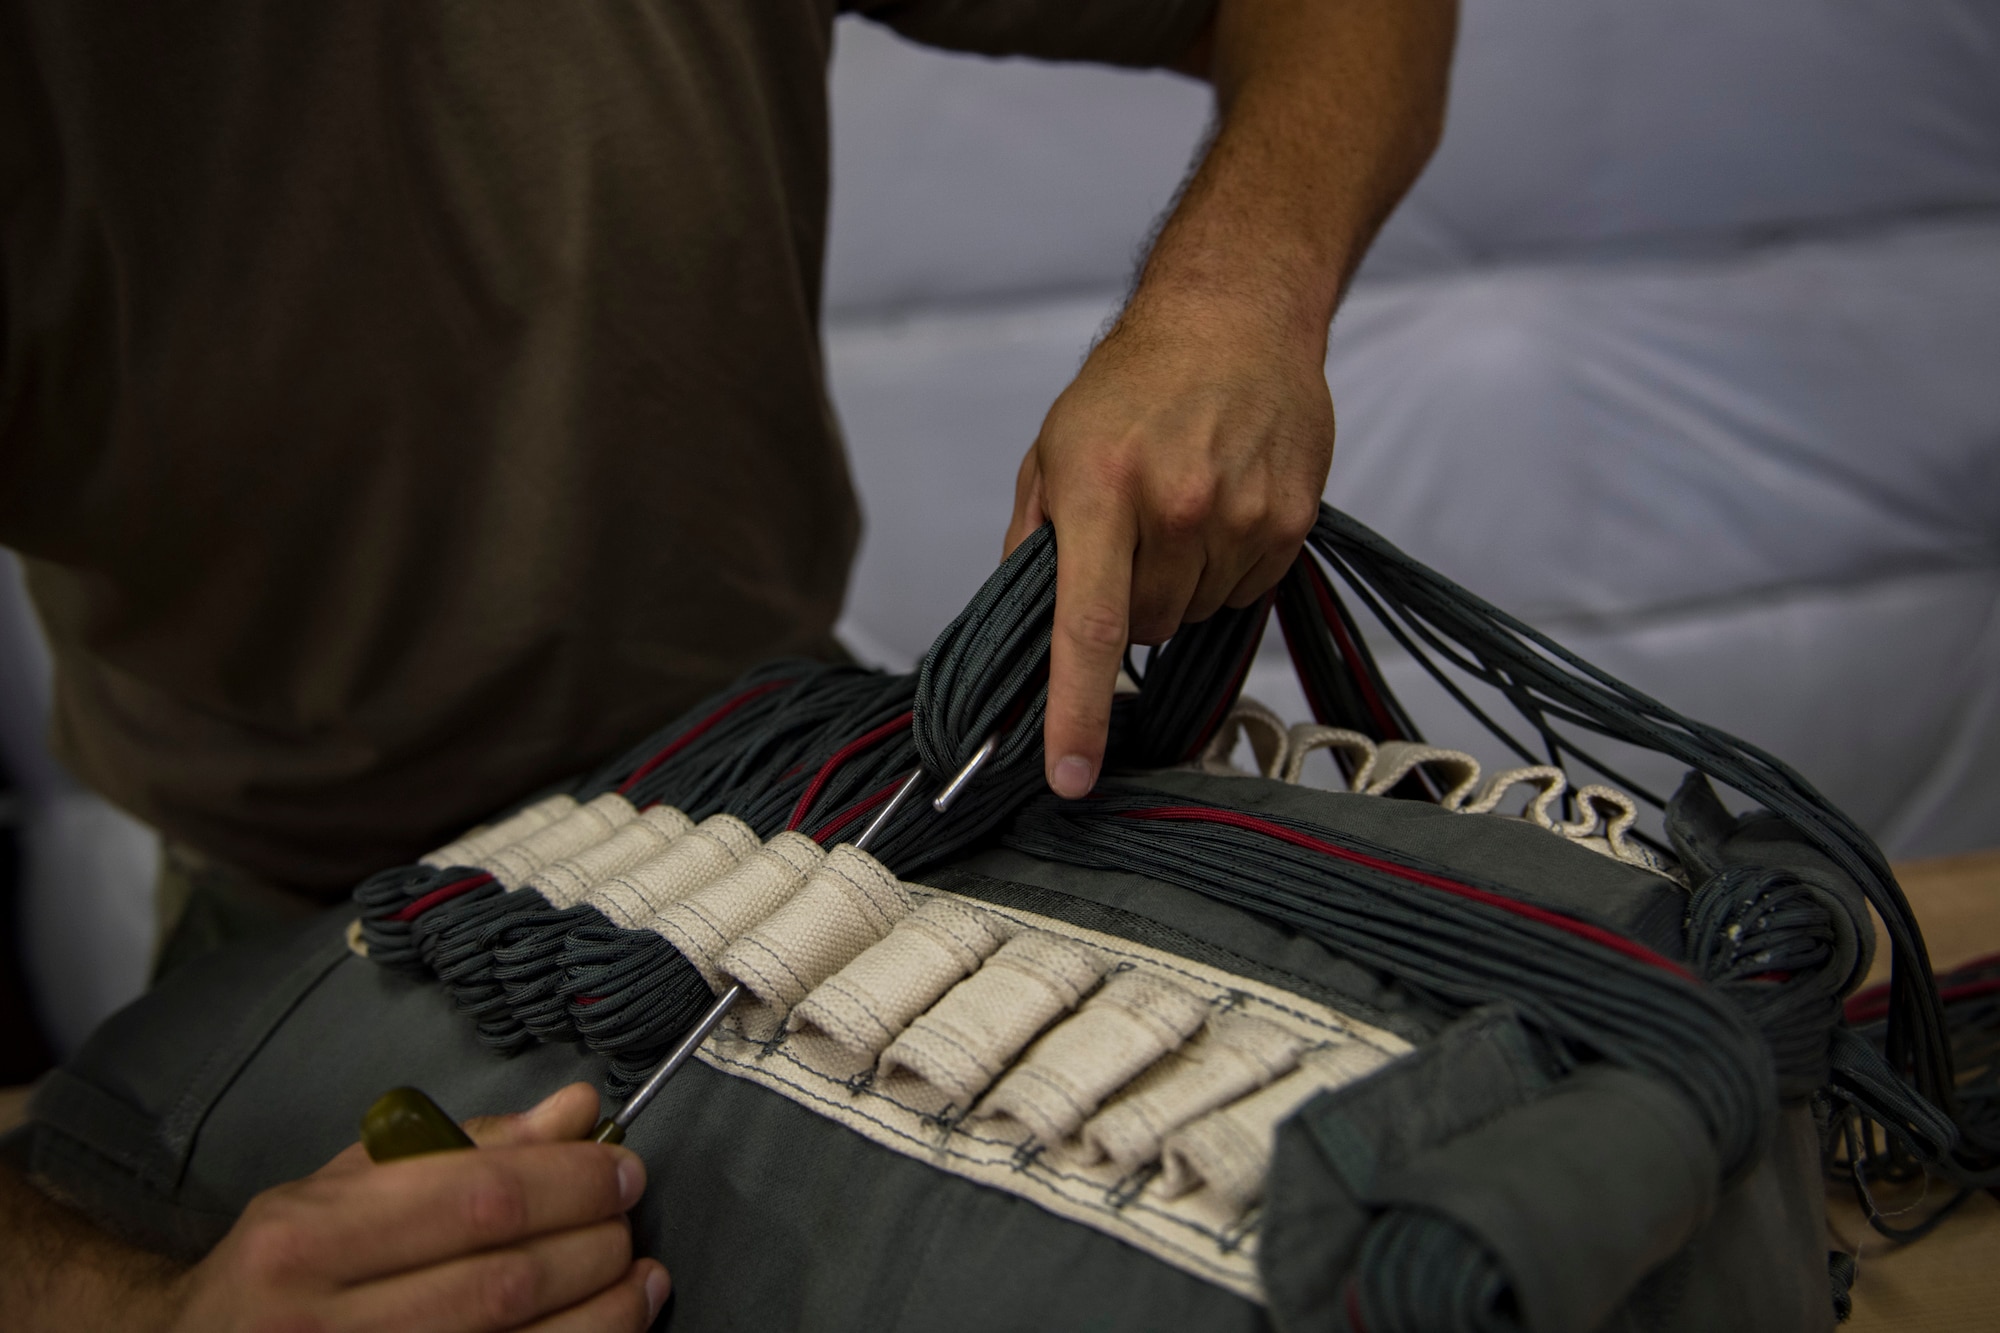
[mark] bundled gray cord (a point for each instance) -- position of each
(408, 911)
(819, 749)
(1441, 624)
(1590, 993)
(985, 675)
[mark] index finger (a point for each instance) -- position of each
(420, 1211)
(1092, 630)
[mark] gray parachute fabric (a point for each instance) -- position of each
(255, 1068)
(1200, 1052)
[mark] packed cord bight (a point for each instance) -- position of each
(1906, 1086)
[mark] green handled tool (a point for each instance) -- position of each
(404, 1122)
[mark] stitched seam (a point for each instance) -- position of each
(1223, 1241)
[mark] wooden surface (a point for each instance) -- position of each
(1948, 1282)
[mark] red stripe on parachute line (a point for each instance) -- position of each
(442, 894)
(1356, 666)
(841, 756)
(1868, 1005)
(693, 733)
(833, 827)
(1191, 814)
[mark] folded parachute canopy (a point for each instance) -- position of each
(716, 853)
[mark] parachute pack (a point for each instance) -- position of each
(1210, 1049)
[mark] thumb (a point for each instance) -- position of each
(565, 1114)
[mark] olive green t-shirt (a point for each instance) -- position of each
(405, 402)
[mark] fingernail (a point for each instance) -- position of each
(1072, 777)
(657, 1287)
(631, 1177)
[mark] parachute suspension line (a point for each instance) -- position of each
(1439, 623)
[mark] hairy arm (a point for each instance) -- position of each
(58, 1273)
(1183, 467)
(528, 1233)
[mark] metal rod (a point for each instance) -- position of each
(966, 774)
(613, 1130)
(678, 1057)
(875, 824)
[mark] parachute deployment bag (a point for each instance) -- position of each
(1207, 1050)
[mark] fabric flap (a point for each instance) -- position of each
(1580, 1193)
(1331, 1156)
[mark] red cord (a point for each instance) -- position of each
(1356, 665)
(841, 756)
(1582, 929)
(443, 894)
(853, 812)
(1868, 1005)
(689, 736)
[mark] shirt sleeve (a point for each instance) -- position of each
(1113, 32)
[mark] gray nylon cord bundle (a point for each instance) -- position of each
(985, 674)
(1912, 1086)
(825, 748)
(1587, 1001)
(795, 745)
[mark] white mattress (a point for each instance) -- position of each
(1687, 347)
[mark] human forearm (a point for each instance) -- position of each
(1183, 467)
(1328, 109)
(528, 1233)
(60, 1274)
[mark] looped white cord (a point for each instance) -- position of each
(1309, 736)
(1548, 781)
(1269, 741)
(1607, 815)
(1396, 760)
(1606, 826)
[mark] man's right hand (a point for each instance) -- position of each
(528, 1232)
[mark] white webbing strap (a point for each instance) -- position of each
(1234, 1056)
(486, 839)
(582, 827)
(1133, 1019)
(570, 880)
(705, 923)
(968, 1011)
(964, 1041)
(866, 1004)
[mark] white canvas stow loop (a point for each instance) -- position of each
(1134, 1019)
(704, 923)
(869, 1002)
(1235, 1055)
(570, 880)
(963, 1043)
(850, 902)
(582, 827)
(1228, 1150)
(489, 838)
(699, 857)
